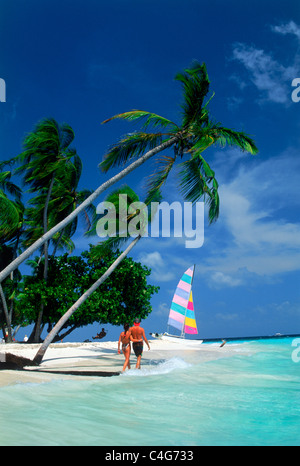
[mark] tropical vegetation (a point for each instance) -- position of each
(51, 169)
(126, 196)
(56, 282)
(196, 133)
(124, 296)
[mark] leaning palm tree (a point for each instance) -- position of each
(120, 200)
(196, 132)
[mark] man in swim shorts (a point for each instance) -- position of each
(138, 333)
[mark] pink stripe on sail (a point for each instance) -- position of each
(190, 330)
(190, 306)
(189, 272)
(176, 316)
(178, 300)
(184, 286)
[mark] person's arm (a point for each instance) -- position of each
(145, 338)
(134, 340)
(119, 342)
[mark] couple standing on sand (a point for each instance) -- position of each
(135, 334)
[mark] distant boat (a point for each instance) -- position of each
(182, 314)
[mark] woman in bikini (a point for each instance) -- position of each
(126, 347)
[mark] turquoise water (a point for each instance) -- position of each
(250, 398)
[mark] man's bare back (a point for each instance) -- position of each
(138, 333)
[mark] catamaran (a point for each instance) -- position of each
(182, 314)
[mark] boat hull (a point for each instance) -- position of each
(176, 340)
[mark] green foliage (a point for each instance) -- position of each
(11, 211)
(52, 171)
(130, 147)
(45, 151)
(124, 296)
(196, 86)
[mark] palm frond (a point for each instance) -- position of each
(214, 203)
(9, 186)
(240, 139)
(196, 86)
(66, 135)
(131, 146)
(158, 178)
(124, 190)
(10, 216)
(152, 119)
(198, 182)
(7, 163)
(62, 242)
(204, 137)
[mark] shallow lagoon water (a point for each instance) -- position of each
(249, 398)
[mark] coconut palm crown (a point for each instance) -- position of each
(196, 133)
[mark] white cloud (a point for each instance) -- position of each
(257, 236)
(160, 271)
(152, 259)
(162, 310)
(221, 279)
(253, 227)
(258, 226)
(288, 28)
(269, 75)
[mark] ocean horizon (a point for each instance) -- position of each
(256, 337)
(250, 397)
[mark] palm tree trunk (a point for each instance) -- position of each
(39, 243)
(16, 330)
(48, 340)
(64, 335)
(8, 339)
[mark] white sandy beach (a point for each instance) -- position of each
(96, 357)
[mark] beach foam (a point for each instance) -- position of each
(158, 368)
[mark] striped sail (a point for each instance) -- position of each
(182, 316)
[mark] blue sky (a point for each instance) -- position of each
(81, 62)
